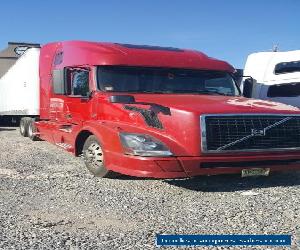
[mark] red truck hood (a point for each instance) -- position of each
(210, 104)
(181, 129)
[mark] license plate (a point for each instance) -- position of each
(255, 172)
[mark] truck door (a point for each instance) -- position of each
(77, 106)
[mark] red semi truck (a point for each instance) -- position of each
(158, 112)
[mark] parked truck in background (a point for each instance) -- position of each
(148, 111)
(276, 76)
(20, 88)
(21, 72)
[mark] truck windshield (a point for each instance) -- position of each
(165, 80)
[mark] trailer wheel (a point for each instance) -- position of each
(94, 158)
(24, 126)
(32, 130)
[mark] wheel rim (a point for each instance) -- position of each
(94, 156)
(30, 130)
(22, 128)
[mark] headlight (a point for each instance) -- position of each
(143, 145)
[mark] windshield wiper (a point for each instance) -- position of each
(152, 92)
(213, 92)
(206, 92)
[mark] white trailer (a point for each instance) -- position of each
(276, 76)
(19, 87)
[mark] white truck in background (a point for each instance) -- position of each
(19, 87)
(275, 76)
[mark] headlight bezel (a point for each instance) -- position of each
(138, 144)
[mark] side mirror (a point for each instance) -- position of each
(89, 95)
(58, 81)
(238, 76)
(248, 87)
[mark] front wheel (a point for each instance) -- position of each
(94, 158)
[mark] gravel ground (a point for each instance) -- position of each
(48, 200)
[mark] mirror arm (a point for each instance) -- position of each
(91, 93)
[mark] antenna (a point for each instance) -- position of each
(275, 48)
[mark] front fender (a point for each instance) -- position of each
(108, 134)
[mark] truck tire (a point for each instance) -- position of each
(31, 130)
(24, 126)
(94, 158)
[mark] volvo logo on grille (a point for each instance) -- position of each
(254, 133)
(258, 132)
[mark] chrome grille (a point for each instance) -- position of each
(222, 133)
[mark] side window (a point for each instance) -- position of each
(58, 58)
(287, 67)
(79, 82)
(284, 90)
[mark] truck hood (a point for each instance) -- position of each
(212, 104)
(180, 129)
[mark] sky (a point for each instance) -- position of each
(225, 29)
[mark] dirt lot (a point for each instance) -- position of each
(48, 200)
